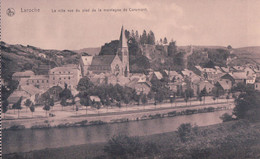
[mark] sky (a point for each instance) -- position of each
(200, 22)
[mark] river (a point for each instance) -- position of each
(29, 139)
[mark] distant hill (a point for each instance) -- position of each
(91, 51)
(248, 53)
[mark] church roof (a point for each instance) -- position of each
(122, 40)
(104, 60)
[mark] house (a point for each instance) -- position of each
(140, 86)
(155, 76)
(249, 72)
(117, 64)
(225, 85)
(26, 92)
(69, 74)
(229, 77)
(85, 62)
(238, 68)
(239, 77)
(39, 81)
(224, 69)
(26, 74)
(250, 80)
(187, 73)
(42, 55)
(95, 99)
(174, 76)
(205, 84)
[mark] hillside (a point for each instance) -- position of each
(250, 54)
(19, 58)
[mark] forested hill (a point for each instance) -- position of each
(20, 58)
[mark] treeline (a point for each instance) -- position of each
(208, 58)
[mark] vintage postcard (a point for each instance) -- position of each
(92, 79)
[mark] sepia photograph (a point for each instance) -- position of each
(130, 79)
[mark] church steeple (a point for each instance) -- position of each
(123, 52)
(122, 40)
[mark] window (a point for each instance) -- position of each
(32, 81)
(69, 78)
(37, 81)
(53, 72)
(60, 78)
(47, 81)
(27, 83)
(53, 78)
(60, 72)
(69, 72)
(64, 77)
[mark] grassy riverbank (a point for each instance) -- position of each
(235, 139)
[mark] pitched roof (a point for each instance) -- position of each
(40, 77)
(65, 68)
(87, 60)
(199, 67)
(239, 75)
(25, 73)
(224, 85)
(104, 60)
(30, 89)
(187, 72)
(225, 69)
(158, 75)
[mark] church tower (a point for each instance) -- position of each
(123, 52)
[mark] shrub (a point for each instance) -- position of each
(184, 131)
(122, 146)
(226, 117)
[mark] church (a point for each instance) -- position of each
(116, 65)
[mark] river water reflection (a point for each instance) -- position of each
(28, 140)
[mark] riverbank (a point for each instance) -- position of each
(235, 139)
(112, 117)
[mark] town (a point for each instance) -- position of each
(100, 81)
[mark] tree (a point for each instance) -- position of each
(203, 94)
(84, 84)
(229, 47)
(27, 103)
(186, 97)
(172, 98)
(227, 97)
(184, 131)
(64, 95)
(151, 38)
(143, 39)
(165, 40)
(32, 109)
(18, 106)
(247, 100)
(172, 49)
(51, 101)
(5, 106)
(46, 107)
